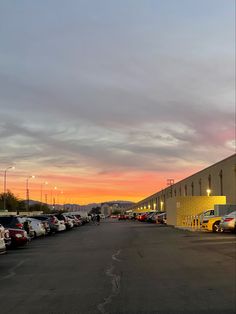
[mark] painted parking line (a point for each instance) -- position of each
(217, 238)
(216, 243)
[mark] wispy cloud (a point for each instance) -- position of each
(119, 87)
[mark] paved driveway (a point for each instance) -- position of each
(121, 267)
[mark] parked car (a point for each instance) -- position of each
(113, 216)
(45, 221)
(76, 222)
(211, 224)
(122, 217)
(81, 221)
(2, 240)
(161, 218)
(143, 217)
(228, 222)
(85, 219)
(12, 221)
(7, 238)
(36, 226)
(55, 224)
(18, 237)
(67, 221)
(151, 217)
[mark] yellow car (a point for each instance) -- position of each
(211, 223)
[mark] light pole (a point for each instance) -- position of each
(58, 197)
(41, 193)
(52, 198)
(5, 186)
(27, 190)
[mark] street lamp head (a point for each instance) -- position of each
(10, 167)
(30, 177)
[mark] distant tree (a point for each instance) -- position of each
(40, 207)
(95, 210)
(116, 212)
(21, 206)
(12, 201)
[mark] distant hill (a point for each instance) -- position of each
(118, 202)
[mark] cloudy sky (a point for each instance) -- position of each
(108, 99)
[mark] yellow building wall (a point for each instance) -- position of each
(178, 209)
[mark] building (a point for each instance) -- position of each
(216, 180)
(114, 207)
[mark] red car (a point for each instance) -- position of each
(143, 217)
(18, 237)
(122, 217)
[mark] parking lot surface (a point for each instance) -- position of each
(123, 267)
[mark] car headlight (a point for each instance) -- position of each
(18, 235)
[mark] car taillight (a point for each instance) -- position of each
(228, 219)
(19, 225)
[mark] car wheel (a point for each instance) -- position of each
(216, 226)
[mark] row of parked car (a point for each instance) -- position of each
(152, 217)
(17, 230)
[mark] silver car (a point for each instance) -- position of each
(228, 222)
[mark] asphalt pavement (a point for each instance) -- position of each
(121, 267)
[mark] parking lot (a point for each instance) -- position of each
(121, 267)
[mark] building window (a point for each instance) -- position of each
(180, 191)
(192, 188)
(200, 186)
(209, 182)
(185, 190)
(221, 182)
(175, 192)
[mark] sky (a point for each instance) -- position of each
(106, 100)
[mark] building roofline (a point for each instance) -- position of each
(229, 157)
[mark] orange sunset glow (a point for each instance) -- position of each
(84, 190)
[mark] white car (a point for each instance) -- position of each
(228, 222)
(2, 241)
(61, 225)
(37, 226)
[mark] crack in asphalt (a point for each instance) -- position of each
(115, 281)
